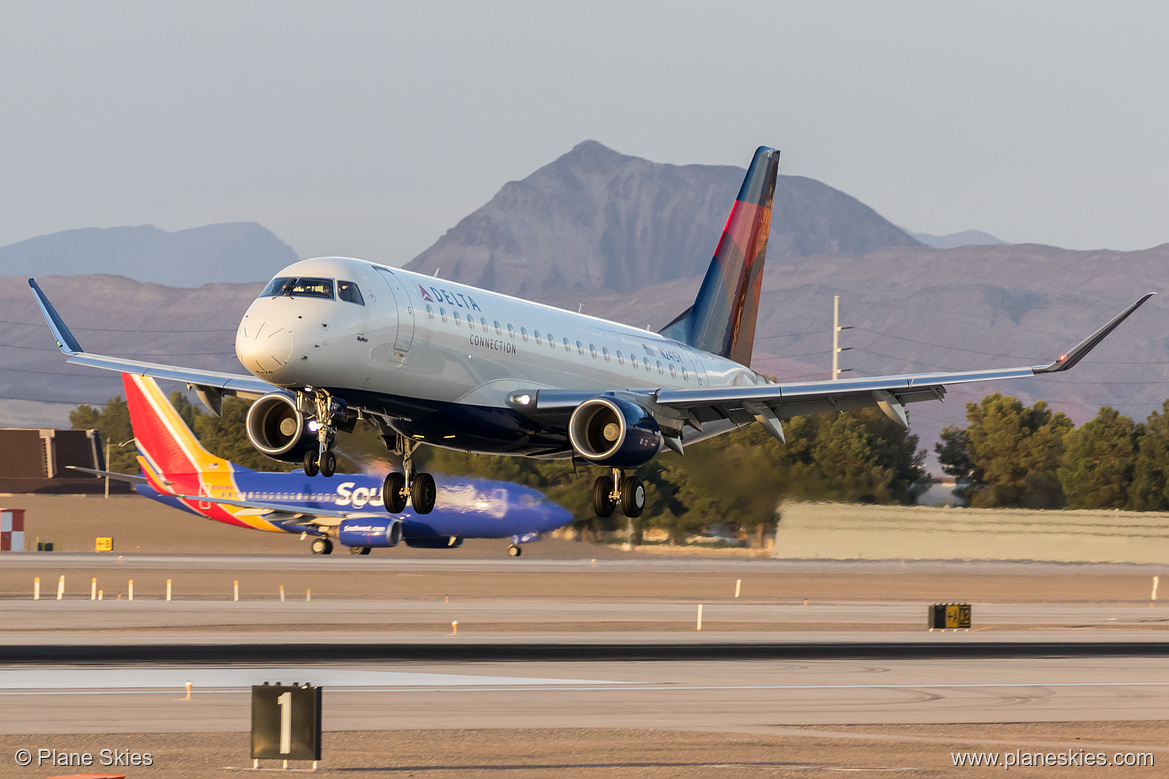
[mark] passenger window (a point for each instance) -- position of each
(536, 333)
(510, 331)
(348, 291)
(661, 371)
(645, 359)
(458, 319)
(567, 345)
(498, 329)
(551, 340)
(620, 358)
(673, 374)
(430, 311)
(524, 334)
(685, 375)
(580, 348)
(483, 323)
(442, 314)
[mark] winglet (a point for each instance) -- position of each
(65, 339)
(1081, 349)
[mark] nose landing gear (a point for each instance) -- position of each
(608, 491)
(326, 410)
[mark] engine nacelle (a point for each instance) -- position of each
(276, 428)
(614, 432)
(371, 531)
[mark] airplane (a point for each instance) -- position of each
(331, 341)
(179, 472)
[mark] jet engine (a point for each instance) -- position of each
(371, 532)
(276, 428)
(615, 432)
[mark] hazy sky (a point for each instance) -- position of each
(369, 128)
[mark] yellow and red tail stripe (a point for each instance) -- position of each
(173, 460)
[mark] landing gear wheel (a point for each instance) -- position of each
(356, 550)
(392, 492)
(310, 464)
(515, 550)
(328, 463)
(322, 545)
(603, 503)
(632, 497)
(423, 493)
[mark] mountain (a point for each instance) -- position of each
(239, 251)
(954, 240)
(597, 219)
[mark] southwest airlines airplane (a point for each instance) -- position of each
(179, 472)
(333, 341)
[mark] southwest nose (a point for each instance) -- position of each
(263, 348)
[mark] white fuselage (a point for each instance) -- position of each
(428, 349)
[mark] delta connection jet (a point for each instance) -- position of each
(332, 341)
(179, 472)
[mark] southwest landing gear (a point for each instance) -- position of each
(322, 545)
(608, 491)
(418, 487)
(515, 550)
(356, 550)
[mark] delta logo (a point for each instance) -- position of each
(440, 295)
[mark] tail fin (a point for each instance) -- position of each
(164, 440)
(722, 319)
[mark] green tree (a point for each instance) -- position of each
(1098, 462)
(1149, 490)
(113, 422)
(1013, 453)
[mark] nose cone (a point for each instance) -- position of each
(263, 348)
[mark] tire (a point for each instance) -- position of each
(603, 503)
(358, 550)
(632, 497)
(328, 464)
(392, 495)
(322, 545)
(423, 493)
(515, 550)
(310, 464)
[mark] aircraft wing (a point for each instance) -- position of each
(208, 383)
(132, 478)
(769, 403)
(314, 516)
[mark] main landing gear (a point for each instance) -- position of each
(418, 487)
(322, 545)
(609, 490)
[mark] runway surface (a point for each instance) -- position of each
(548, 648)
(740, 696)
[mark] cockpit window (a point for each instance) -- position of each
(348, 291)
(313, 288)
(277, 286)
(305, 287)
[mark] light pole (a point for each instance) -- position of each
(108, 462)
(836, 350)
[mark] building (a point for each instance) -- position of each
(35, 460)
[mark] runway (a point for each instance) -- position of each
(560, 647)
(739, 696)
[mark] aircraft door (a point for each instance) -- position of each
(405, 310)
